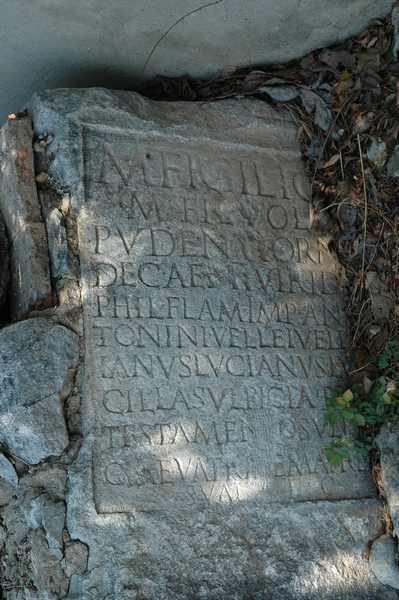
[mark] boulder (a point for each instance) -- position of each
(118, 44)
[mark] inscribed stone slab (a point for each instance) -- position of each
(214, 327)
(215, 321)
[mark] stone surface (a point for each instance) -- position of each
(4, 263)
(8, 480)
(76, 557)
(214, 326)
(383, 561)
(30, 274)
(54, 44)
(37, 363)
(31, 557)
(388, 445)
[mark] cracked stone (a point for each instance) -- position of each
(37, 363)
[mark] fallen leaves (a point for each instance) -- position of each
(346, 101)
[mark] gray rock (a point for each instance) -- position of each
(383, 561)
(172, 37)
(37, 362)
(76, 557)
(388, 445)
(31, 552)
(49, 515)
(8, 480)
(7, 471)
(58, 246)
(377, 153)
(30, 274)
(202, 474)
(4, 263)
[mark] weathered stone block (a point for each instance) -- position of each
(214, 327)
(30, 274)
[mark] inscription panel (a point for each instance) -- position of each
(214, 323)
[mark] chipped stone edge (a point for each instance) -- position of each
(30, 279)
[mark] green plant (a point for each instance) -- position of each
(366, 406)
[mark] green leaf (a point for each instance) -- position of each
(387, 398)
(348, 396)
(359, 420)
(383, 361)
(347, 414)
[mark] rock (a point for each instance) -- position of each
(7, 471)
(37, 362)
(30, 274)
(377, 153)
(381, 301)
(393, 163)
(4, 263)
(388, 444)
(383, 561)
(50, 516)
(8, 480)
(214, 323)
(76, 557)
(58, 246)
(31, 553)
(46, 571)
(172, 37)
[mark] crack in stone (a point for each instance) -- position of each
(164, 35)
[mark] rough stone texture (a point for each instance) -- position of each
(383, 561)
(30, 275)
(214, 323)
(31, 566)
(48, 44)
(37, 363)
(388, 445)
(8, 480)
(4, 263)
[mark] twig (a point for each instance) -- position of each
(342, 166)
(365, 213)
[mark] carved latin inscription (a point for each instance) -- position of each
(215, 324)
